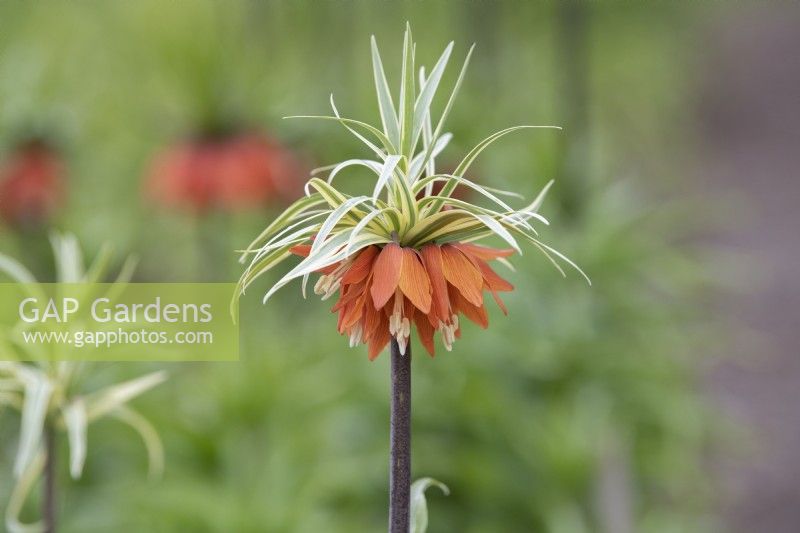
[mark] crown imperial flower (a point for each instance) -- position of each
(405, 254)
(231, 172)
(385, 290)
(31, 185)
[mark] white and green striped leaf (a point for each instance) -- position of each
(288, 216)
(334, 219)
(15, 270)
(106, 400)
(38, 390)
(388, 116)
(426, 94)
(462, 167)
(76, 422)
(406, 111)
(385, 174)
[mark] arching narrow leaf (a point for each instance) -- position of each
(374, 166)
(427, 157)
(149, 435)
(289, 215)
(427, 92)
(475, 152)
(38, 389)
(419, 504)
(334, 219)
(385, 103)
(385, 174)
(76, 420)
(406, 111)
(15, 270)
(22, 488)
(453, 94)
(537, 202)
(102, 402)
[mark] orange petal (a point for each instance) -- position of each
(433, 318)
(347, 295)
(475, 313)
(386, 274)
(462, 274)
(425, 331)
(493, 280)
(432, 259)
(408, 308)
(301, 249)
(354, 312)
(379, 341)
(499, 302)
(343, 294)
(340, 320)
(414, 281)
(483, 252)
(372, 321)
(361, 266)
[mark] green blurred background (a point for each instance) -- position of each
(583, 410)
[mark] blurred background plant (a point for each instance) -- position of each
(51, 396)
(582, 411)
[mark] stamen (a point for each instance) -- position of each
(396, 318)
(328, 284)
(402, 343)
(355, 335)
(331, 290)
(340, 270)
(321, 284)
(448, 333)
(447, 339)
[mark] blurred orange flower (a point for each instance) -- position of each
(235, 172)
(31, 185)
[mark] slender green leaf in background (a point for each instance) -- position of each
(43, 392)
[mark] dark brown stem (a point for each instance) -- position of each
(400, 435)
(49, 499)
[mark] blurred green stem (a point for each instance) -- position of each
(400, 435)
(49, 498)
(574, 24)
(35, 252)
(213, 246)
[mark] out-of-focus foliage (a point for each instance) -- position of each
(576, 413)
(49, 395)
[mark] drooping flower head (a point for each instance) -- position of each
(31, 185)
(230, 172)
(404, 255)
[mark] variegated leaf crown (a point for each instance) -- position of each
(402, 206)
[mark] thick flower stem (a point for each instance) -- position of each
(400, 434)
(49, 499)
